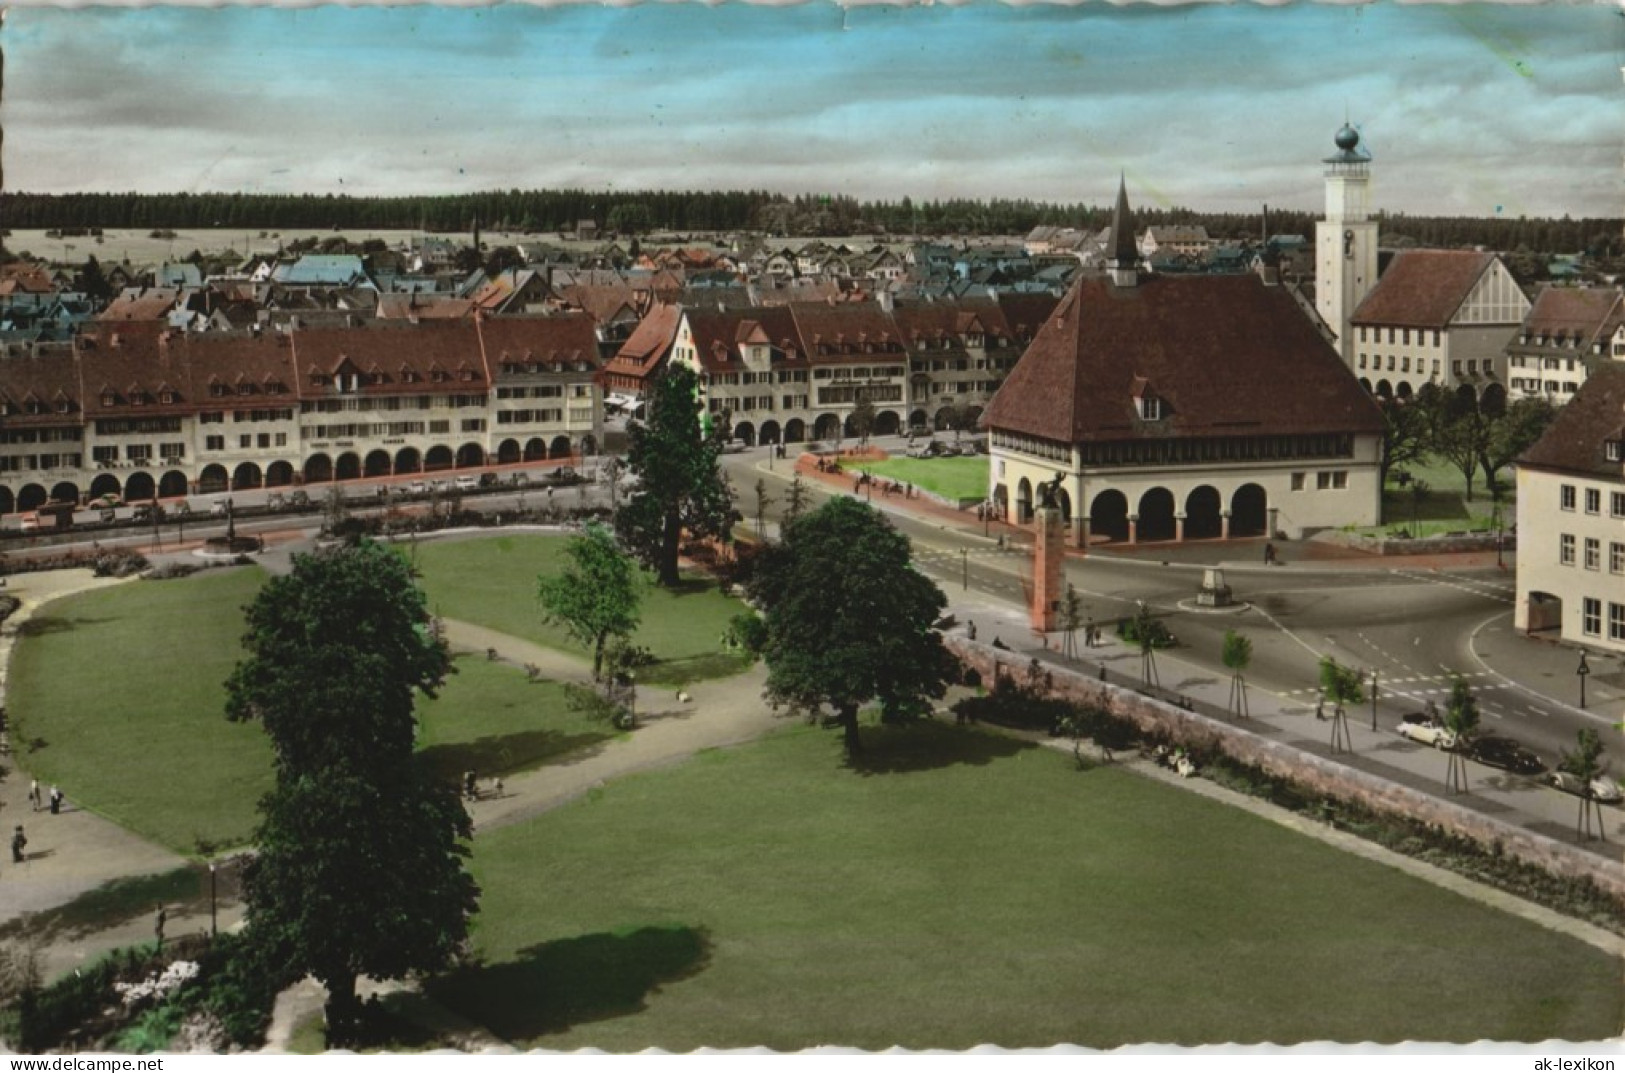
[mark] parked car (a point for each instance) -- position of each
(1423, 728)
(1603, 788)
(180, 508)
(418, 488)
(468, 482)
(488, 480)
(300, 498)
(1505, 754)
(106, 499)
(220, 508)
(567, 475)
(29, 521)
(518, 477)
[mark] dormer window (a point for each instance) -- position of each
(216, 389)
(245, 389)
(109, 398)
(33, 406)
(1614, 450)
(318, 380)
(167, 398)
(1151, 408)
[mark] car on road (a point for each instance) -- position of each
(1423, 728)
(468, 482)
(106, 500)
(1505, 754)
(418, 488)
(1603, 788)
(567, 475)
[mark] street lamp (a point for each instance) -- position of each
(213, 904)
(964, 565)
(1373, 698)
(1580, 672)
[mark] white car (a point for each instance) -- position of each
(1427, 730)
(1603, 788)
(468, 483)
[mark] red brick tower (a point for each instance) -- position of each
(1047, 551)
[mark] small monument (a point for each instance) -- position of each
(1048, 549)
(1214, 592)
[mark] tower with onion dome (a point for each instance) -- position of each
(1346, 240)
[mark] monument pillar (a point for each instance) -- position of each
(1048, 550)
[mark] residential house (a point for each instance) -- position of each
(1567, 332)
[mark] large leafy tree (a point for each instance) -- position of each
(1511, 434)
(360, 849)
(596, 597)
(680, 483)
(849, 619)
(1405, 434)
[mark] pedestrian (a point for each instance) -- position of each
(1089, 634)
(34, 797)
(468, 785)
(970, 629)
(1001, 541)
(908, 490)
(158, 926)
(1269, 554)
(19, 842)
(1320, 708)
(56, 801)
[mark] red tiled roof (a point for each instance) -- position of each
(45, 380)
(423, 307)
(718, 335)
(1423, 288)
(648, 344)
(557, 343)
(411, 360)
(846, 333)
(1584, 312)
(1574, 442)
(1227, 354)
(153, 303)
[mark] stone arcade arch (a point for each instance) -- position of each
(1202, 513)
(828, 427)
(745, 433)
(318, 469)
(1024, 502)
(1156, 516)
(535, 449)
(470, 455)
(1385, 389)
(246, 475)
(32, 496)
(348, 466)
(105, 484)
(65, 492)
(560, 447)
(279, 474)
(1108, 516)
(140, 486)
(8, 502)
(438, 458)
(1001, 502)
(589, 446)
(214, 478)
(770, 433)
(508, 452)
(408, 460)
(377, 464)
(795, 430)
(172, 485)
(1249, 511)
(887, 423)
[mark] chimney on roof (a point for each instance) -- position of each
(884, 297)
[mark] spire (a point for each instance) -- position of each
(1125, 254)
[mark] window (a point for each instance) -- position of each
(1297, 482)
(1565, 549)
(246, 440)
(172, 450)
(1565, 497)
(1593, 501)
(1616, 557)
(263, 440)
(104, 454)
(1614, 450)
(214, 443)
(1591, 616)
(1616, 504)
(1331, 479)
(282, 439)
(1616, 622)
(138, 452)
(1593, 553)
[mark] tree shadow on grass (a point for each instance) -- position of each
(40, 625)
(118, 901)
(507, 754)
(893, 750)
(555, 985)
(691, 586)
(682, 672)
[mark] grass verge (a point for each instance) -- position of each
(954, 478)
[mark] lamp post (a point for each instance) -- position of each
(1580, 672)
(213, 904)
(1373, 698)
(964, 567)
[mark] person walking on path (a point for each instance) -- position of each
(19, 842)
(158, 925)
(34, 798)
(56, 800)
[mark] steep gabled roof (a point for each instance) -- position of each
(563, 339)
(718, 335)
(1585, 313)
(1574, 442)
(648, 344)
(1423, 288)
(1228, 354)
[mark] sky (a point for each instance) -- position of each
(1471, 109)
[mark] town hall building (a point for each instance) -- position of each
(1184, 407)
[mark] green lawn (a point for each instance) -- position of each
(954, 478)
(144, 739)
(491, 581)
(1444, 507)
(963, 888)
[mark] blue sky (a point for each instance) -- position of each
(1467, 108)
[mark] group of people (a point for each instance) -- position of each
(37, 801)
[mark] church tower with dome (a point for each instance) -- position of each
(1346, 240)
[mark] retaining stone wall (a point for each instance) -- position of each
(1316, 774)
